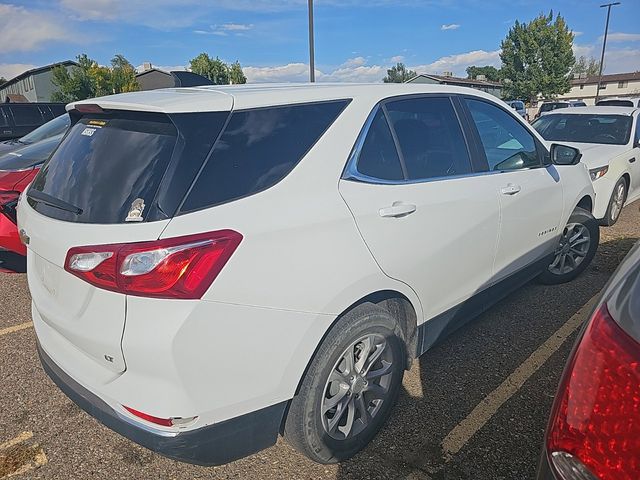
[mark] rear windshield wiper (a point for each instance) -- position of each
(54, 202)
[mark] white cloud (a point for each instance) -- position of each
(622, 60)
(622, 37)
(583, 50)
(226, 28)
(23, 30)
(451, 26)
(397, 59)
(292, 72)
(354, 62)
(459, 62)
(10, 70)
(577, 34)
(166, 68)
(236, 27)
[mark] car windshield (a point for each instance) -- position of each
(583, 128)
(55, 127)
(29, 156)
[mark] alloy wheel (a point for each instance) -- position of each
(357, 387)
(617, 201)
(573, 248)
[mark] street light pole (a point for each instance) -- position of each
(604, 45)
(312, 67)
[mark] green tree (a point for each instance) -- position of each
(586, 66)
(213, 68)
(123, 75)
(398, 74)
(491, 73)
(236, 75)
(88, 79)
(537, 58)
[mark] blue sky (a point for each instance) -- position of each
(356, 40)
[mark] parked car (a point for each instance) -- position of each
(594, 428)
(52, 128)
(609, 139)
(548, 107)
(17, 169)
(619, 102)
(276, 256)
(18, 119)
(519, 106)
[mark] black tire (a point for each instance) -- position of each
(306, 426)
(552, 275)
(613, 209)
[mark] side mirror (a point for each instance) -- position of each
(564, 155)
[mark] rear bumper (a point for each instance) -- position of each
(210, 445)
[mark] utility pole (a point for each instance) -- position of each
(604, 44)
(312, 67)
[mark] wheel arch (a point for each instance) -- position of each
(586, 203)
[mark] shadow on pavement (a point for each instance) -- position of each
(448, 381)
(12, 262)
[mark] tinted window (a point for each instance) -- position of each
(3, 118)
(637, 137)
(29, 156)
(106, 163)
(26, 115)
(50, 129)
(430, 137)
(57, 109)
(615, 103)
(584, 128)
(507, 143)
(378, 157)
(257, 149)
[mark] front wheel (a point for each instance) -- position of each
(349, 388)
(576, 249)
(616, 202)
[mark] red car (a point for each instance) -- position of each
(594, 429)
(17, 169)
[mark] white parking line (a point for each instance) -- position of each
(487, 408)
(38, 459)
(23, 437)
(15, 328)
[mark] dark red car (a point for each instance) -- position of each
(594, 430)
(17, 169)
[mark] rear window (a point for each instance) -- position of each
(109, 168)
(26, 115)
(52, 128)
(257, 149)
(29, 156)
(615, 103)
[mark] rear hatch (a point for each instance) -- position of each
(117, 177)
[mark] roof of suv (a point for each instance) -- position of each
(595, 111)
(223, 98)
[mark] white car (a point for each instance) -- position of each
(609, 139)
(619, 102)
(213, 266)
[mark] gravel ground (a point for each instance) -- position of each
(441, 389)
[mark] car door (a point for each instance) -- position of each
(426, 218)
(531, 195)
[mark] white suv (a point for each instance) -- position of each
(213, 266)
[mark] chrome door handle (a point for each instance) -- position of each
(397, 209)
(510, 189)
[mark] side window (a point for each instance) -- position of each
(507, 144)
(378, 157)
(258, 148)
(26, 115)
(3, 118)
(637, 137)
(430, 137)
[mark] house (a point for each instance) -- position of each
(614, 85)
(36, 85)
(479, 83)
(152, 78)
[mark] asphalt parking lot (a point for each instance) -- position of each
(474, 407)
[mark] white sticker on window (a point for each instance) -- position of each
(88, 132)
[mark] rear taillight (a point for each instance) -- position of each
(594, 430)
(183, 267)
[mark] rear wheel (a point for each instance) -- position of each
(350, 387)
(577, 247)
(616, 202)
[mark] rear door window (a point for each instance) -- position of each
(108, 167)
(26, 115)
(378, 157)
(257, 149)
(3, 118)
(430, 138)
